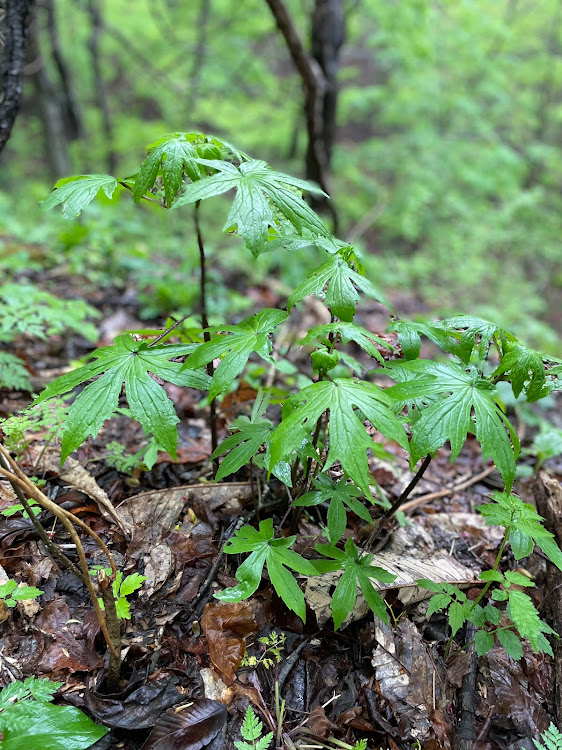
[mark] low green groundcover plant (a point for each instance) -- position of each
(335, 417)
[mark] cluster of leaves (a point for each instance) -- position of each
(272, 646)
(11, 593)
(510, 611)
(122, 588)
(46, 418)
(29, 719)
(330, 421)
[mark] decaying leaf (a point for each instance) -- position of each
(76, 476)
(226, 624)
(193, 727)
(410, 676)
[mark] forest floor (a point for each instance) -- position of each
(394, 686)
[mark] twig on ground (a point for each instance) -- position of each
(417, 501)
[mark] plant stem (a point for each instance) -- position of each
(114, 629)
(398, 502)
(486, 587)
(496, 566)
(59, 556)
(205, 325)
(15, 475)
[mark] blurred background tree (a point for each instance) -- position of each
(437, 128)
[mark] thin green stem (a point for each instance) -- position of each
(496, 566)
(485, 589)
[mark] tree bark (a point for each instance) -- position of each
(327, 37)
(71, 110)
(56, 151)
(318, 72)
(199, 56)
(11, 64)
(101, 94)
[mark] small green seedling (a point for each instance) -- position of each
(122, 588)
(251, 731)
(272, 647)
(552, 739)
(17, 508)
(11, 593)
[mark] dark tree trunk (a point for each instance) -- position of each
(54, 130)
(71, 110)
(318, 72)
(11, 64)
(101, 94)
(199, 56)
(327, 37)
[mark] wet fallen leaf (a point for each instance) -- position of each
(76, 476)
(194, 727)
(136, 709)
(411, 677)
(226, 624)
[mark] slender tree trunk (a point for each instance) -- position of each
(318, 73)
(70, 107)
(327, 37)
(56, 150)
(96, 19)
(11, 64)
(199, 56)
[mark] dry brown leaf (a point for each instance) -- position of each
(159, 565)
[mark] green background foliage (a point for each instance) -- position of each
(446, 168)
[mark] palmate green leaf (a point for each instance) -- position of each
(175, 156)
(349, 440)
(257, 188)
(336, 283)
(340, 495)
(357, 569)
(129, 361)
(75, 193)
(410, 333)
(277, 556)
(525, 617)
(472, 334)
(526, 371)
(465, 392)
(235, 344)
(243, 445)
(36, 725)
(307, 240)
(347, 332)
